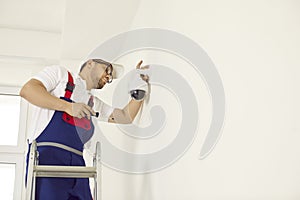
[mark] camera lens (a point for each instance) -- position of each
(137, 94)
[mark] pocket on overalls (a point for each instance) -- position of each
(82, 123)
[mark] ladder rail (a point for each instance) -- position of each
(97, 166)
(30, 176)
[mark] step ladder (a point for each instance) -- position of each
(35, 170)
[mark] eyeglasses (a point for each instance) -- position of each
(108, 69)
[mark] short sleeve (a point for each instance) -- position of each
(50, 77)
(104, 110)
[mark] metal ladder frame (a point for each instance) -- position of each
(35, 170)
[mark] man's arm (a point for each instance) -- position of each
(36, 93)
(127, 114)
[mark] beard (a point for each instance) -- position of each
(100, 84)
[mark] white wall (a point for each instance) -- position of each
(255, 47)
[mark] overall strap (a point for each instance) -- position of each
(69, 87)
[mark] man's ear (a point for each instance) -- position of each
(89, 64)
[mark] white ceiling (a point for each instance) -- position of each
(61, 29)
(89, 23)
(46, 15)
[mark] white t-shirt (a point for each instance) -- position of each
(55, 79)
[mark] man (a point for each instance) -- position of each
(64, 108)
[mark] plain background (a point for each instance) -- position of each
(255, 47)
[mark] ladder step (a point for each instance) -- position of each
(64, 171)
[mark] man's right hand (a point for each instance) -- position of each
(80, 110)
(35, 92)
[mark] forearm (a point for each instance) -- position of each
(35, 92)
(127, 114)
(132, 109)
(137, 92)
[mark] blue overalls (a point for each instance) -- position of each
(72, 132)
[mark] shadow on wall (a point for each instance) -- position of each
(144, 191)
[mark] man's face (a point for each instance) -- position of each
(100, 75)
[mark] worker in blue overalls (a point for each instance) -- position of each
(62, 119)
